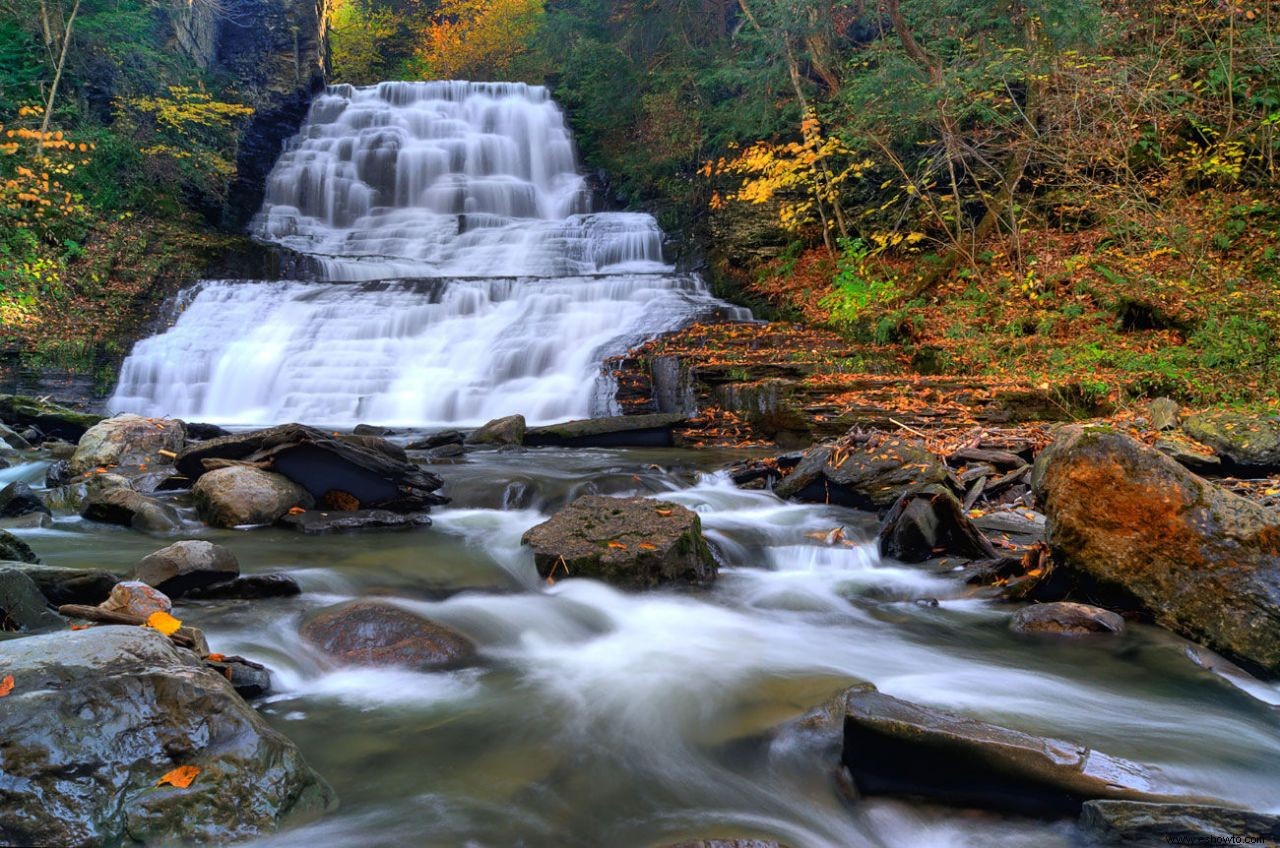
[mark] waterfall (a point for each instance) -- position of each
(459, 275)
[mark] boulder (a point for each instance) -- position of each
(635, 543)
(1164, 414)
(51, 419)
(59, 450)
(893, 747)
(198, 432)
(870, 476)
(13, 438)
(250, 680)
(17, 499)
(377, 633)
(1135, 824)
(372, 471)
(124, 506)
(437, 440)
(187, 565)
(14, 549)
(1196, 457)
(1202, 561)
(1021, 527)
(1066, 618)
(242, 495)
(928, 523)
(1244, 440)
(128, 440)
(23, 609)
(97, 717)
(622, 431)
(314, 522)
(61, 585)
(500, 431)
(133, 597)
(251, 587)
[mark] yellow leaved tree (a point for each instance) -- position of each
(479, 38)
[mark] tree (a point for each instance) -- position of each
(479, 38)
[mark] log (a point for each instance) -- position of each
(102, 616)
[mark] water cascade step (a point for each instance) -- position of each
(457, 274)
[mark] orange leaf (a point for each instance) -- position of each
(664, 512)
(165, 623)
(80, 626)
(6, 685)
(215, 657)
(180, 777)
(618, 545)
(296, 510)
(645, 546)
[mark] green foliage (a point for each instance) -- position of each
(858, 288)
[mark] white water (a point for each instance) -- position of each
(472, 186)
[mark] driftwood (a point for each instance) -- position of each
(102, 616)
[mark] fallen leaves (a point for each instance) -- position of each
(165, 623)
(617, 546)
(6, 685)
(181, 777)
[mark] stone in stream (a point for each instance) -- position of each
(51, 419)
(378, 633)
(130, 441)
(437, 440)
(62, 585)
(17, 499)
(13, 548)
(373, 471)
(13, 438)
(1135, 824)
(1021, 527)
(187, 565)
(124, 506)
(96, 717)
(1250, 442)
(928, 523)
(1196, 457)
(621, 431)
(870, 476)
(249, 681)
(23, 607)
(893, 747)
(251, 587)
(1202, 561)
(508, 431)
(133, 597)
(1066, 618)
(240, 495)
(314, 522)
(634, 543)
(727, 843)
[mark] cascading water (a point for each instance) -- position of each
(461, 275)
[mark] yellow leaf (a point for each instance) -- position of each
(180, 777)
(165, 623)
(618, 545)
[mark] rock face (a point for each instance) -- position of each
(1247, 441)
(134, 597)
(187, 565)
(623, 431)
(13, 548)
(128, 440)
(124, 506)
(930, 523)
(635, 543)
(863, 477)
(242, 495)
(1138, 825)
(23, 608)
(898, 748)
(360, 472)
(95, 719)
(1066, 618)
(375, 633)
(51, 419)
(17, 499)
(1203, 561)
(500, 431)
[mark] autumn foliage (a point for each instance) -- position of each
(479, 38)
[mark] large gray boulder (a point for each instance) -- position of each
(1134, 824)
(635, 543)
(128, 440)
(378, 633)
(241, 495)
(96, 717)
(1248, 441)
(1203, 561)
(870, 476)
(508, 431)
(23, 607)
(187, 565)
(124, 506)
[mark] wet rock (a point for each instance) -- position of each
(1142, 825)
(123, 506)
(21, 413)
(370, 430)
(870, 476)
(1066, 618)
(133, 597)
(1244, 440)
(98, 716)
(1202, 561)
(1191, 454)
(198, 432)
(58, 449)
(30, 521)
(376, 633)
(929, 523)
(1021, 527)
(128, 440)
(372, 470)
(446, 452)
(240, 495)
(249, 680)
(13, 438)
(438, 440)
(1164, 414)
(314, 522)
(18, 499)
(635, 543)
(893, 747)
(183, 566)
(58, 474)
(252, 587)
(23, 608)
(622, 431)
(61, 585)
(999, 459)
(13, 548)
(500, 431)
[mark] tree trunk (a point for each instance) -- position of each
(57, 74)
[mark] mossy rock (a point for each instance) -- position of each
(1246, 441)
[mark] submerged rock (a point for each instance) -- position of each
(929, 523)
(124, 506)
(1134, 824)
(1066, 618)
(14, 549)
(17, 499)
(51, 419)
(621, 431)
(893, 747)
(128, 440)
(23, 607)
(870, 476)
(187, 565)
(251, 587)
(1248, 441)
(1203, 561)
(437, 440)
(506, 431)
(376, 633)
(133, 597)
(98, 716)
(636, 543)
(241, 495)
(314, 522)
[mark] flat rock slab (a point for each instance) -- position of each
(1137, 825)
(314, 522)
(1243, 440)
(870, 476)
(623, 431)
(51, 419)
(893, 747)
